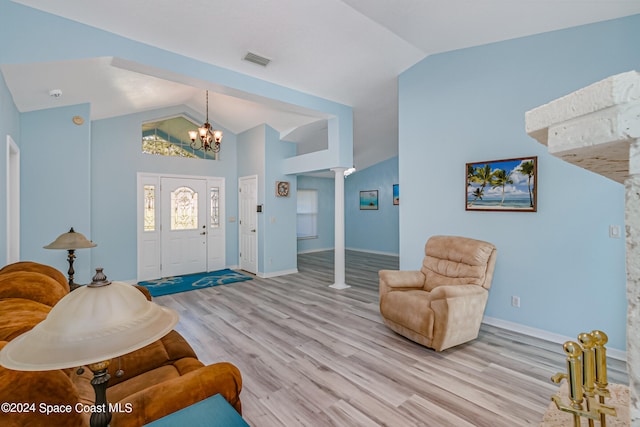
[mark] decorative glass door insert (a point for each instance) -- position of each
(149, 208)
(215, 206)
(184, 209)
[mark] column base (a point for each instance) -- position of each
(339, 286)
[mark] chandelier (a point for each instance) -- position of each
(209, 139)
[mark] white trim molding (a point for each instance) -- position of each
(545, 335)
(13, 201)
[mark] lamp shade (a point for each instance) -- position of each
(71, 240)
(90, 325)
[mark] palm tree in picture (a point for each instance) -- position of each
(526, 168)
(470, 173)
(481, 175)
(501, 178)
(478, 193)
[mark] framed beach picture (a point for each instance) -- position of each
(396, 194)
(502, 185)
(369, 200)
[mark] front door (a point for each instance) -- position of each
(248, 225)
(184, 226)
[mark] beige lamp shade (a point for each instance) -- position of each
(90, 325)
(71, 240)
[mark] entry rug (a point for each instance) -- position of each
(176, 284)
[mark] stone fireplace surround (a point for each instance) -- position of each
(598, 129)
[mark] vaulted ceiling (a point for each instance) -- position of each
(349, 51)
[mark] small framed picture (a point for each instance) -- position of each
(369, 200)
(282, 188)
(396, 194)
(502, 185)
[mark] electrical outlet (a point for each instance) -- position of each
(515, 301)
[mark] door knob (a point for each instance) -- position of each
(253, 231)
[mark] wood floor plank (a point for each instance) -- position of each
(311, 355)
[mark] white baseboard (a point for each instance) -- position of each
(276, 273)
(545, 335)
(372, 252)
(310, 251)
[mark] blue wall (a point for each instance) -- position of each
(468, 106)
(372, 230)
(326, 213)
(279, 215)
(116, 159)
(108, 156)
(55, 180)
(261, 153)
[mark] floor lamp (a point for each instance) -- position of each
(71, 241)
(91, 326)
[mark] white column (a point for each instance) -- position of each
(339, 264)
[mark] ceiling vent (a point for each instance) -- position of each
(256, 59)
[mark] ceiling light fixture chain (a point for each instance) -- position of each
(209, 139)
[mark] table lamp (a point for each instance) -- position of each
(71, 241)
(91, 326)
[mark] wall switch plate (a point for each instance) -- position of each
(515, 301)
(614, 231)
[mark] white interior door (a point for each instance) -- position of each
(13, 201)
(248, 223)
(184, 226)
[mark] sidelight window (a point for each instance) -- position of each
(214, 194)
(149, 208)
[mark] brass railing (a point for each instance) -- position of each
(587, 379)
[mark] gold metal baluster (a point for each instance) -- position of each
(574, 377)
(600, 339)
(588, 371)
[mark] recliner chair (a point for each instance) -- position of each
(442, 304)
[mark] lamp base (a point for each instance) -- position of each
(71, 272)
(102, 415)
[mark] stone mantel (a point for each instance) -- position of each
(598, 129)
(592, 127)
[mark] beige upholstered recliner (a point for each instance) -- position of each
(442, 304)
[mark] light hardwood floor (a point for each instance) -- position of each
(314, 356)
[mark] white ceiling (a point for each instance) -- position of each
(349, 51)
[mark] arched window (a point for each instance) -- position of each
(169, 137)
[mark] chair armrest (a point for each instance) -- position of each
(455, 291)
(170, 396)
(458, 312)
(402, 279)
